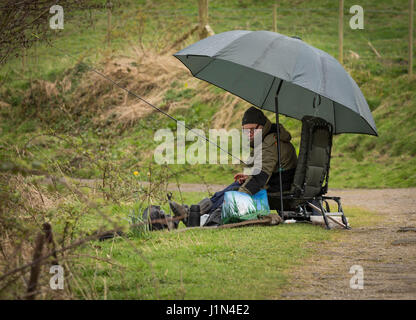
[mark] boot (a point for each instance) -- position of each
(204, 206)
(179, 210)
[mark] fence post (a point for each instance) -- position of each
(411, 10)
(203, 18)
(24, 60)
(45, 235)
(275, 17)
(109, 7)
(35, 269)
(35, 56)
(341, 31)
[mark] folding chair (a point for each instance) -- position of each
(310, 183)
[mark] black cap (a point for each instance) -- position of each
(254, 115)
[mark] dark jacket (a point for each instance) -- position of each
(268, 177)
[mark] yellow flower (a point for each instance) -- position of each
(136, 173)
(185, 85)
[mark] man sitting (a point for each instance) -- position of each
(268, 178)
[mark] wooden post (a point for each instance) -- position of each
(35, 269)
(411, 10)
(35, 53)
(341, 31)
(45, 235)
(203, 18)
(109, 7)
(275, 17)
(50, 241)
(24, 61)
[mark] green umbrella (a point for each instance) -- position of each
(281, 74)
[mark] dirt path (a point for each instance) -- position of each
(387, 256)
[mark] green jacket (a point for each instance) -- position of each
(268, 177)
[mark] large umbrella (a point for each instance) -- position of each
(283, 75)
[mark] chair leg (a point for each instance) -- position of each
(323, 214)
(321, 209)
(344, 219)
(328, 209)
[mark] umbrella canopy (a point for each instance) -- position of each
(255, 65)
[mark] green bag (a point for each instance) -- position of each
(240, 206)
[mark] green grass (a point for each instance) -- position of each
(208, 264)
(358, 161)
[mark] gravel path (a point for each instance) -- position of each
(386, 253)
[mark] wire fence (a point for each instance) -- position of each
(386, 32)
(194, 11)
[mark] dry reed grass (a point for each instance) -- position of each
(149, 75)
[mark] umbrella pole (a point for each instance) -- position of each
(276, 106)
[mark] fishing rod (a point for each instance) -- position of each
(140, 98)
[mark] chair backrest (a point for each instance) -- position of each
(311, 175)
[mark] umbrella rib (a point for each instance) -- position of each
(334, 117)
(265, 98)
(212, 59)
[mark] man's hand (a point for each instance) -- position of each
(240, 178)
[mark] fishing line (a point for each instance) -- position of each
(140, 98)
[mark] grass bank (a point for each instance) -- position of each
(57, 94)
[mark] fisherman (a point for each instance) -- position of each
(268, 178)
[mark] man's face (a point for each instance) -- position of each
(250, 130)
